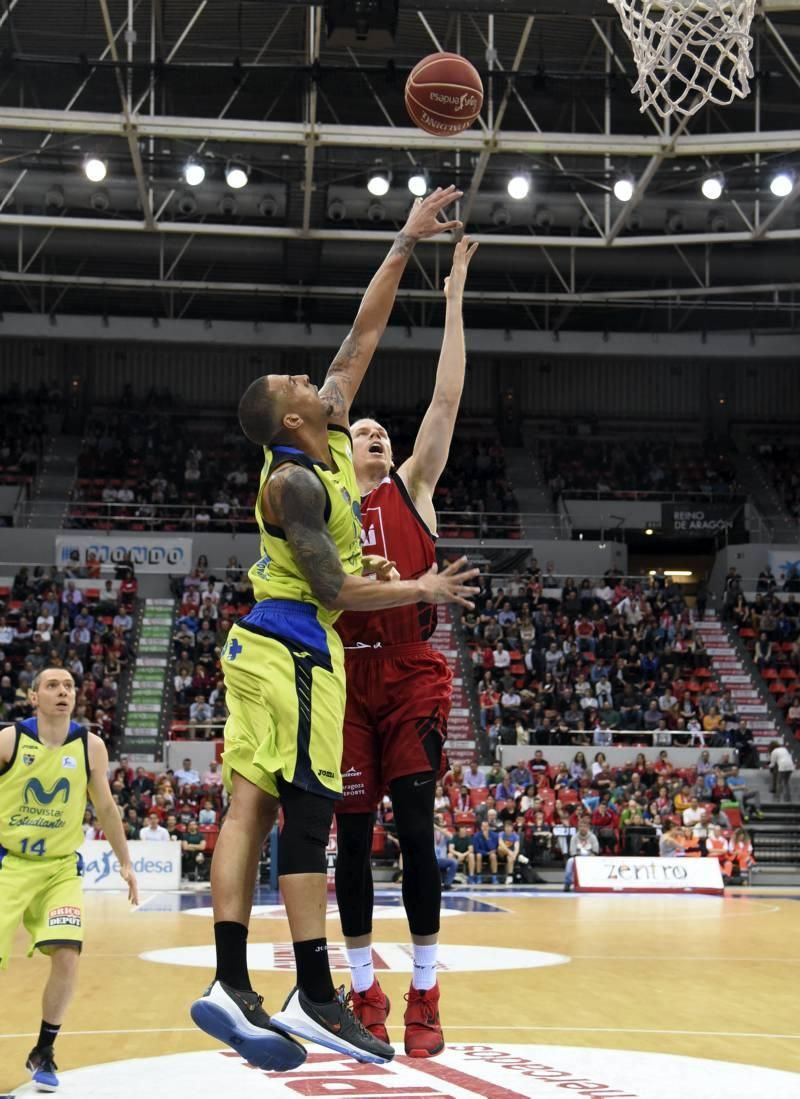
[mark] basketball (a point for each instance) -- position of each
(444, 94)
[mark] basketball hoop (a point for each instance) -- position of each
(689, 52)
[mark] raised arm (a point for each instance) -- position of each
(347, 370)
(421, 472)
(297, 501)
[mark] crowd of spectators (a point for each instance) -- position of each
(781, 460)
(180, 806)
(560, 661)
(495, 823)
(47, 619)
(609, 468)
(209, 606)
(148, 470)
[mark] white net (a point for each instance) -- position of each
(689, 51)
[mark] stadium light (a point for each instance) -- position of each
(782, 184)
(236, 175)
(194, 172)
(378, 183)
(623, 189)
(712, 187)
(418, 184)
(95, 169)
(519, 186)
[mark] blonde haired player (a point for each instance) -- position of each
(48, 765)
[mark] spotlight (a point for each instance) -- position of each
(418, 184)
(376, 211)
(378, 183)
(519, 186)
(500, 216)
(623, 189)
(99, 201)
(268, 206)
(782, 184)
(648, 530)
(95, 169)
(236, 176)
(194, 172)
(718, 223)
(543, 218)
(337, 211)
(712, 187)
(54, 197)
(187, 204)
(676, 223)
(227, 205)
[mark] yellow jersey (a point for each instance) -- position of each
(276, 574)
(43, 794)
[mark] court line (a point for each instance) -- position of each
(456, 1027)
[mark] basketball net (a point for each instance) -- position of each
(689, 52)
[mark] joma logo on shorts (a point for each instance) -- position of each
(45, 797)
(326, 774)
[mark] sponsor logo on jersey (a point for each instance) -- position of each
(326, 774)
(69, 762)
(35, 790)
(65, 916)
(28, 758)
(352, 773)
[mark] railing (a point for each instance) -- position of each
(97, 515)
(693, 496)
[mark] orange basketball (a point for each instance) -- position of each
(444, 94)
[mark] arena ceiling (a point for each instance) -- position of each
(145, 84)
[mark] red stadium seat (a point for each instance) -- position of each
(211, 833)
(478, 795)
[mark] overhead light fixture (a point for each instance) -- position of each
(99, 200)
(782, 184)
(676, 223)
(227, 205)
(672, 572)
(500, 216)
(712, 187)
(95, 169)
(236, 175)
(418, 184)
(268, 206)
(544, 218)
(648, 530)
(187, 204)
(376, 211)
(623, 189)
(378, 183)
(54, 197)
(194, 172)
(336, 210)
(519, 186)
(717, 222)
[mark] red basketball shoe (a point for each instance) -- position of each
(424, 1036)
(371, 1008)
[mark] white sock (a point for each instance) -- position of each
(359, 958)
(424, 974)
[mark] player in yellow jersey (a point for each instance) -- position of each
(48, 765)
(285, 687)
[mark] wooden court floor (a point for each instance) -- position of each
(702, 977)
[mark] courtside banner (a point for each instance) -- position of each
(157, 865)
(643, 875)
(148, 552)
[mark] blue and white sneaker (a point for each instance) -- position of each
(238, 1019)
(42, 1067)
(332, 1025)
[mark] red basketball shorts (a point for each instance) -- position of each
(398, 701)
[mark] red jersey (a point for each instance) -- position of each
(393, 528)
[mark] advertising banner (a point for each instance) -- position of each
(699, 520)
(150, 553)
(157, 865)
(621, 874)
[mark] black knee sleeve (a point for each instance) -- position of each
(412, 802)
(354, 892)
(306, 827)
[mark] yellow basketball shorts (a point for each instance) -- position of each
(285, 691)
(45, 896)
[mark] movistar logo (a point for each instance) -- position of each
(45, 797)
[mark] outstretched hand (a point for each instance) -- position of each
(451, 585)
(455, 281)
(423, 221)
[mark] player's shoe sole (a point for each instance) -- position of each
(332, 1025)
(218, 1014)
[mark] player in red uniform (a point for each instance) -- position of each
(398, 697)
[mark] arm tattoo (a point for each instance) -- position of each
(298, 502)
(403, 246)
